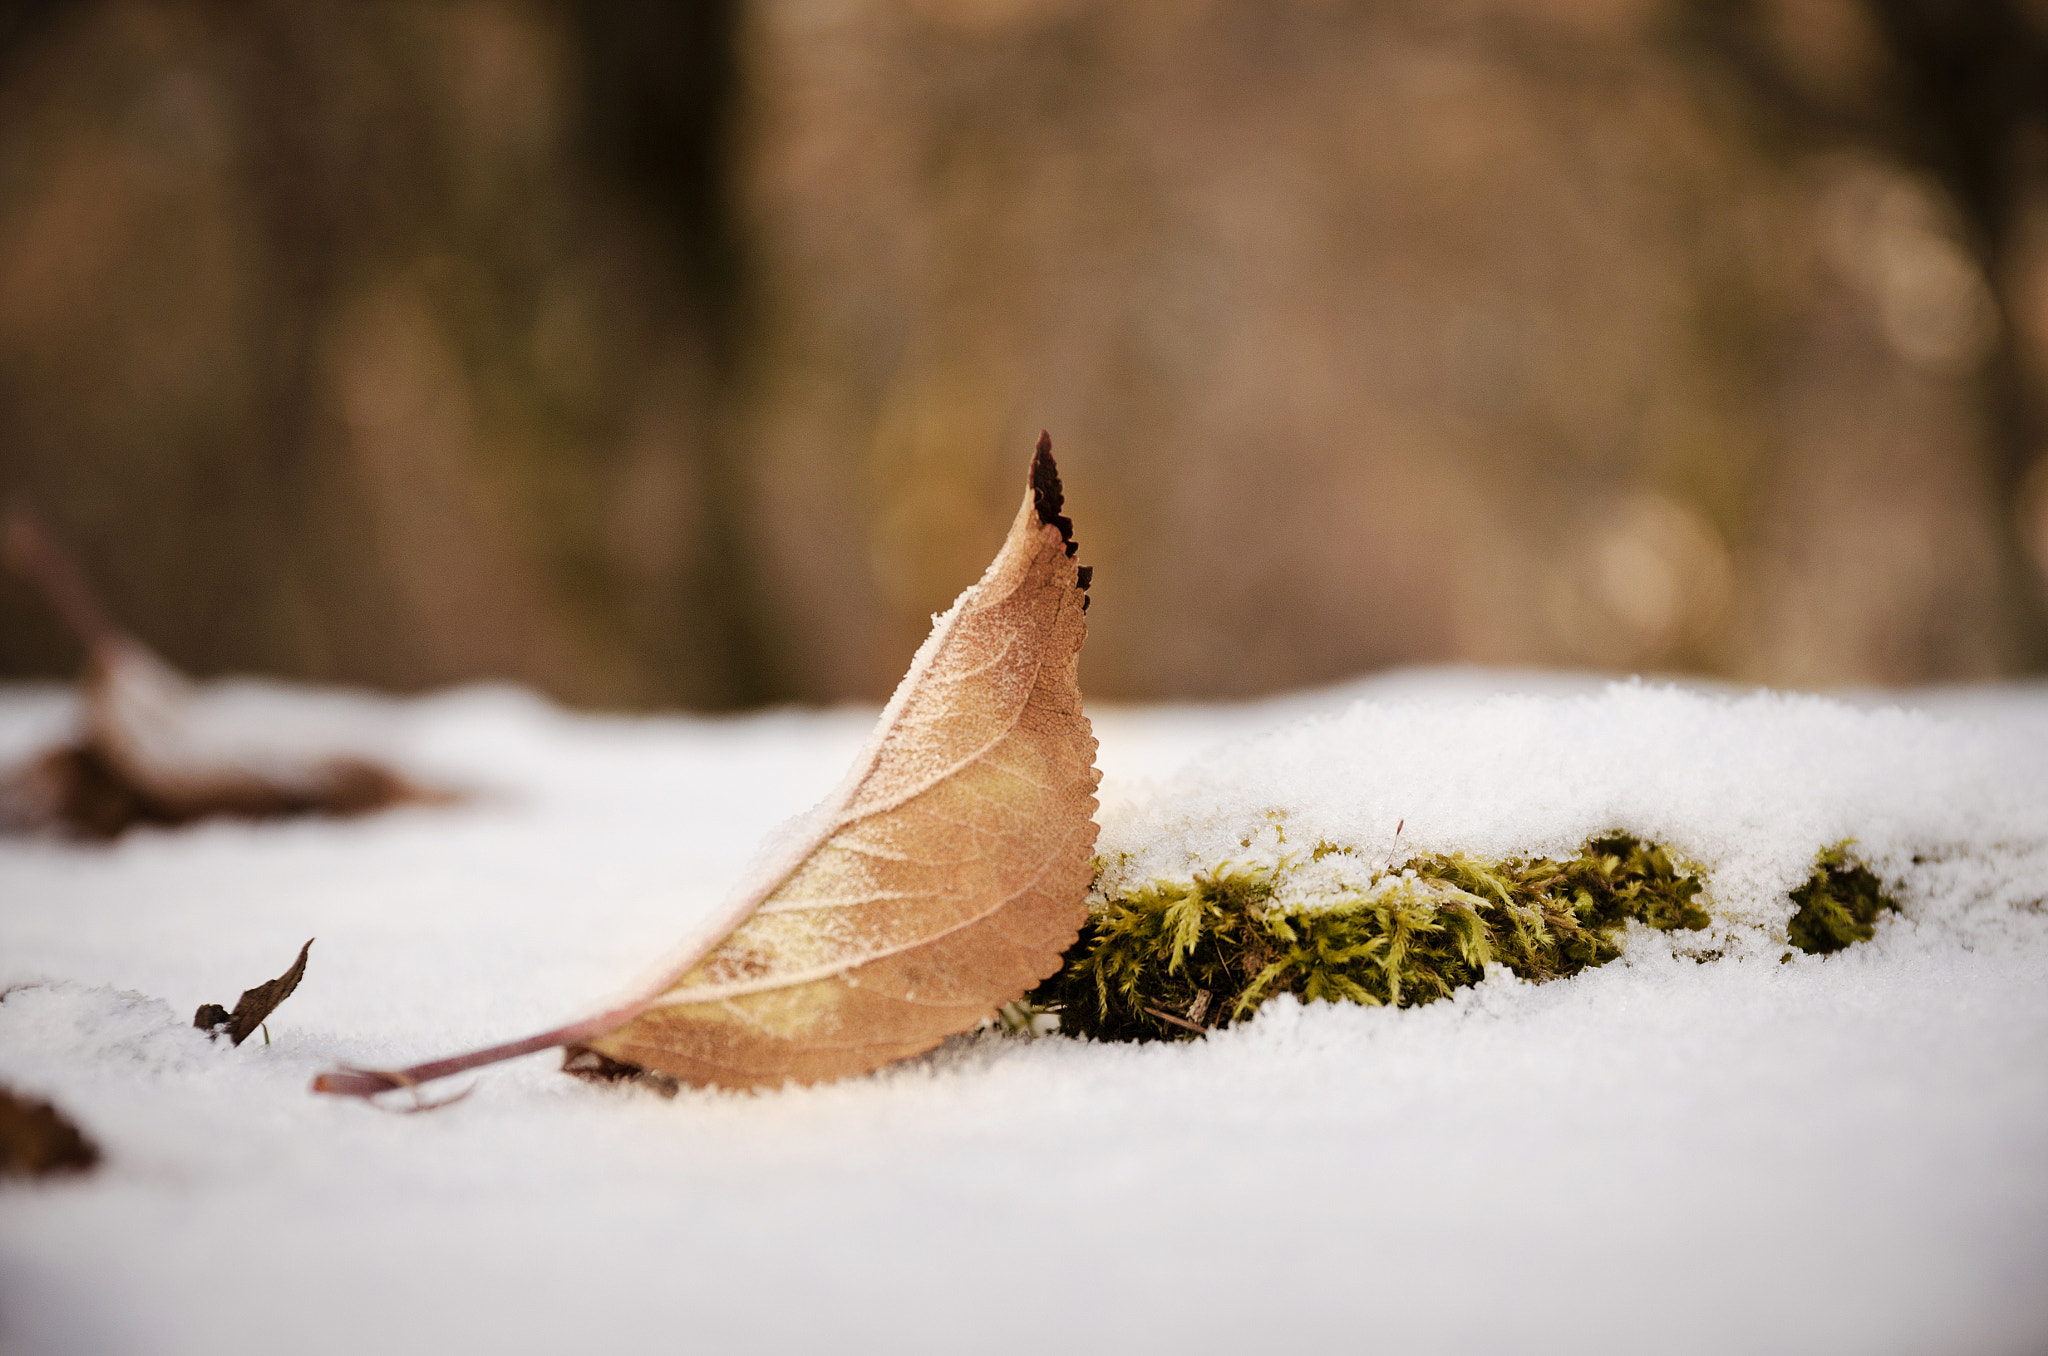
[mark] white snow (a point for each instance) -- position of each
(1839, 1155)
(1750, 788)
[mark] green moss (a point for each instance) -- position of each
(1170, 959)
(1839, 904)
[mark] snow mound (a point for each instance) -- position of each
(1951, 813)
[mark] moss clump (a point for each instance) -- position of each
(1839, 904)
(1172, 959)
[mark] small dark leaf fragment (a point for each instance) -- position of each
(36, 1140)
(255, 1004)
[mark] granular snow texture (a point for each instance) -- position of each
(1846, 1154)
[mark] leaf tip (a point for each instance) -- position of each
(1048, 498)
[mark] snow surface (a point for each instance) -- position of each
(1826, 1155)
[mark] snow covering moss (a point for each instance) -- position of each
(1172, 958)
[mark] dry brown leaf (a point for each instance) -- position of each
(148, 754)
(944, 878)
(255, 1004)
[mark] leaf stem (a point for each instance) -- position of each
(348, 1082)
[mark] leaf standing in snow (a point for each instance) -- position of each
(944, 878)
(255, 1005)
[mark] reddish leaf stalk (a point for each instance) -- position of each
(348, 1082)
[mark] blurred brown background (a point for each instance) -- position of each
(662, 354)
